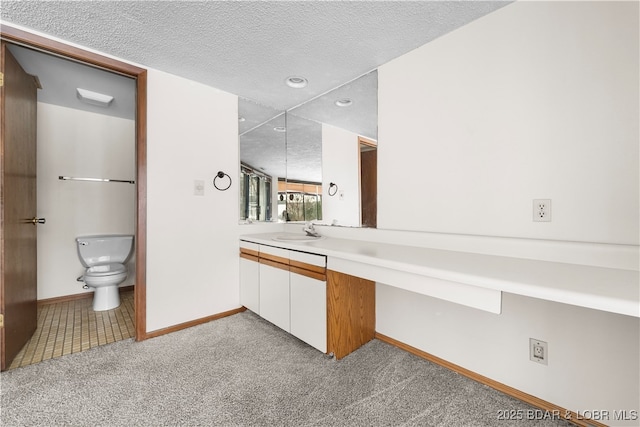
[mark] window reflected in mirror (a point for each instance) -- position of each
(255, 195)
(299, 201)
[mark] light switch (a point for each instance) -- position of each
(198, 187)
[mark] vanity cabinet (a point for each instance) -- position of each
(274, 286)
(308, 299)
(333, 312)
(250, 276)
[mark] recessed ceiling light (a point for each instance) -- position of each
(344, 102)
(280, 129)
(241, 119)
(94, 98)
(296, 82)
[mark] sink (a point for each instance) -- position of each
(296, 238)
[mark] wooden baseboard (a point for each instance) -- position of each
(84, 295)
(191, 323)
(547, 408)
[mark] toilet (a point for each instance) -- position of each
(104, 256)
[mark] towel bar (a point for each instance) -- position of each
(70, 178)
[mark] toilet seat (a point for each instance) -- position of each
(107, 274)
(108, 269)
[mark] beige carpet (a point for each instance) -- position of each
(241, 370)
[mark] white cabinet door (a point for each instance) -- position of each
(309, 310)
(274, 296)
(250, 284)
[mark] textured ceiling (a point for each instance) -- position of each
(249, 48)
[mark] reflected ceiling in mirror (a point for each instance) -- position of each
(304, 150)
(359, 116)
(262, 138)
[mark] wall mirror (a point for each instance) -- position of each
(345, 139)
(262, 139)
(320, 166)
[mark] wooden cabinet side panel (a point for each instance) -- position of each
(350, 312)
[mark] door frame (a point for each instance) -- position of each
(43, 44)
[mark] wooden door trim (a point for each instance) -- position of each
(366, 141)
(44, 44)
(30, 40)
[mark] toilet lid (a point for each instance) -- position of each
(106, 269)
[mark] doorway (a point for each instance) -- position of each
(368, 182)
(22, 38)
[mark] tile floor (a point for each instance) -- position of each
(72, 326)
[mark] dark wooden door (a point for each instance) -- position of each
(18, 280)
(369, 185)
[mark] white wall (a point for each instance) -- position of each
(592, 355)
(192, 241)
(340, 157)
(536, 100)
(80, 144)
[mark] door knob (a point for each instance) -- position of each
(35, 220)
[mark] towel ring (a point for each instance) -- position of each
(331, 185)
(221, 174)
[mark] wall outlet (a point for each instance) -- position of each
(542, 210)
(538, 351)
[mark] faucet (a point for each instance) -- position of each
(310, 230)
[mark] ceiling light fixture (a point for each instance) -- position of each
(94, 98)
(280, 129)
(296, 82)
(241, 119)
(344, 102)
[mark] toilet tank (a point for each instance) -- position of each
(103, 249)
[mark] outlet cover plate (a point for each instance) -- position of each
(538, 351)
(542, 210)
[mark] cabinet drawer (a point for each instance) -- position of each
(312, 259)
(249, 245)
(249, 250)
(274, 254)
(309, 265)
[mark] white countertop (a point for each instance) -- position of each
(606, 289)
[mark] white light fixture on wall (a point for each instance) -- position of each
(94, 98)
